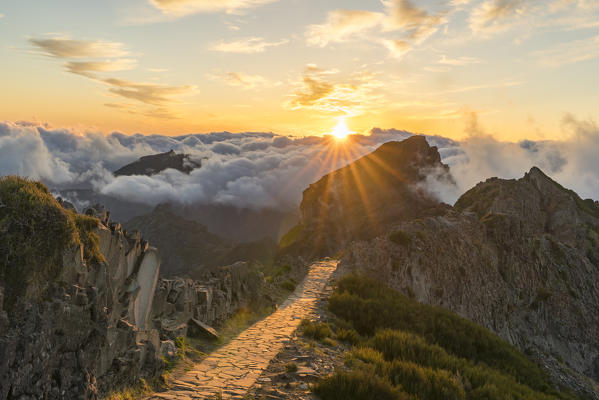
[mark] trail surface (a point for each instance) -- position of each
(234, 368)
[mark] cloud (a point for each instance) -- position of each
(322, 91)
(494, 15)
(147, 93)
(569, 52)
(63, 47)
(404, 15)
(414, 24)
(239, 79)
(249, 45)
(186, 7)
(2, 15)
(397, 48)
(342, 25)
(86, 68)
(267, 170)
(158, 96)
(459, 61)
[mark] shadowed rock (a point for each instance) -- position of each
(154, 164)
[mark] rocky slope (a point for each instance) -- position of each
(156, 163)
(362, 199)
(520, 257)
(75, 300)
(188, 248)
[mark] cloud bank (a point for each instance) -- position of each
(265, 170)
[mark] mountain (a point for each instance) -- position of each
(188, 247)
(520, 257)
(154, 164)
(364, 198)
(240, 224)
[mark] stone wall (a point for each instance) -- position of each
(89, 332)
(211, 300)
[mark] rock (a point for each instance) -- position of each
(196, 328)
(209, 301)
(87, 333)
(154, 164)
(168, 350)
(520, 257)
(363, 199)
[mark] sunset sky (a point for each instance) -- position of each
(509, 68)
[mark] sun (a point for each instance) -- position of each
(341, 131)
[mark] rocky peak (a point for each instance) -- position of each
(154, 164)
(364, 198)
(535, 203)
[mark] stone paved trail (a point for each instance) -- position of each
(234, 368)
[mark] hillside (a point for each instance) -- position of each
(519, 257)
(406, 350)
(188, 248)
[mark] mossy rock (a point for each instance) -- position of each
(35, 232)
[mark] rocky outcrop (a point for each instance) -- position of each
(154, 164)
(364, 198)
(180, 305)
(87, 332)
(520, 257)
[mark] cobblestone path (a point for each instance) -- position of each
(234, 368)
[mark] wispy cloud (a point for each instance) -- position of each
(397, 47)
(570, 52)
(458, 61)
(86, 68)
(249, 45)
(1, 15)
(147, 93)
(186, 7)
(414, 25)
(319, 90)
(157, 96)
(64, 47)
(238, 79)
(404, 15)
(342, 25)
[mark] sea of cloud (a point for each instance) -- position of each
(265, 170)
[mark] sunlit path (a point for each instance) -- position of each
(234, 368)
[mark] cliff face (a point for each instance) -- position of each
(520, 257)
(362, 199)
(87, 330)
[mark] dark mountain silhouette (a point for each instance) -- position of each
(154, 164)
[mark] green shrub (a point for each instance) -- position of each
(316, 330)
(423, 382)
(401, 238)
(430, 352)
(357, 385)
(35, 232)
(291, 368)
(288, 285)
(369, 306)
(348, 335)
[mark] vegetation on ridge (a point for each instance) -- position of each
(35, 231)
(407, 350)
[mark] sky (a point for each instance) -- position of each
(513, 69)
